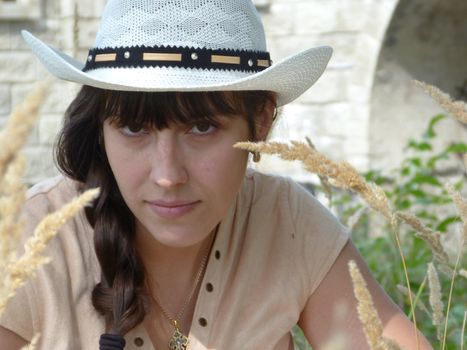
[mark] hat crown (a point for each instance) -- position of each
(211, 24)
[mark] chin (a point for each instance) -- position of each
(178, 240)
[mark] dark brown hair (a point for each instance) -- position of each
(120, 295)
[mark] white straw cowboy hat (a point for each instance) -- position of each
(184, 45)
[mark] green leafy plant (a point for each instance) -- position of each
(417, 186)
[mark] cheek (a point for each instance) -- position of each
(224, 165)
(223, 171)
(126, 166)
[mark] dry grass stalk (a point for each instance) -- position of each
(340, 174)
(432, 238)
(390, 344)
(12, 197)
(32, 345)
(371, 322)
(458, 109)
(419, 303)
(75, 30)
(372, 325)
(22, 119)
(324, 180)
(436, 302)
(12, 189)
(12, 165)
(463, 330)
(462, 208)
(18, 271)
(355, 218)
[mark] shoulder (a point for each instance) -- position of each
(284, 193)
(289, 203)
(71, 247)
(292, 211)
(49, 195)
(262, 186)
(55, 189)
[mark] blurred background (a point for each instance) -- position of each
(364, 108)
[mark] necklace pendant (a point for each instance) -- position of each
(179, 341)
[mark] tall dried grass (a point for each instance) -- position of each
(372, 325)
(462, 209)
(436, 301)
(431, 237)
(13, 269)
(463, 330)
(18, 270)
(22, 119)
(458, 109)
(339, 174)
(418, 303)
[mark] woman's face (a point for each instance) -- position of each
(180, 181)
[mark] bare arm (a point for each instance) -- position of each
(10, 340)
(332, 309)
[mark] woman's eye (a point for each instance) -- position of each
(202, 129)
(132, 130)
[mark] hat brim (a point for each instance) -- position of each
(288, 78)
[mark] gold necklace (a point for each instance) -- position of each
(179, 341)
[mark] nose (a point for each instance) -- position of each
(167, 163)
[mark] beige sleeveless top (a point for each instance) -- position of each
(272, 250)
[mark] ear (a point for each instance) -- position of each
(264, 120)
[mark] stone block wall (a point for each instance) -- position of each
(20, 70)
(335, 113)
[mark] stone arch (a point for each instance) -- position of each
(425, 40)
(366, 52)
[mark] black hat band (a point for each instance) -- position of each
(142, 56)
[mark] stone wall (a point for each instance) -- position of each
(19, 69)
(335, 113)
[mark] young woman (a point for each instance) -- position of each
(185, 248)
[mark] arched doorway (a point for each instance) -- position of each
(425, 40)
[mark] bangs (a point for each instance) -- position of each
(159, 110)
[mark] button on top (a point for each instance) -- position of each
(217, 254)
(203, 322)
(209, 287)
(139, 341)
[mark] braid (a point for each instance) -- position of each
(120, 295)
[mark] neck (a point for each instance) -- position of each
(171, 266)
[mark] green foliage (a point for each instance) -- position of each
(416, 186)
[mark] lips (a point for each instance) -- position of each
(172, 210)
